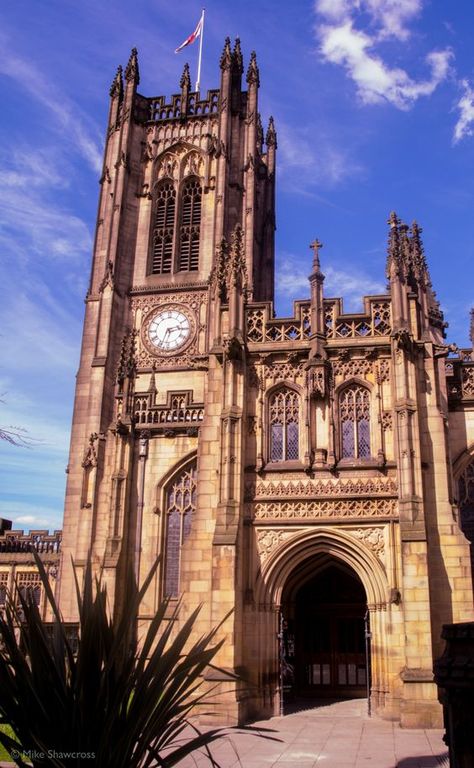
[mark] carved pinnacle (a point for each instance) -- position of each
(316, 247)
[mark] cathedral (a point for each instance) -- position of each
(308, 480)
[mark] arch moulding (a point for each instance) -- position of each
(311, 543)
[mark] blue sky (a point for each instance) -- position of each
(374, 108)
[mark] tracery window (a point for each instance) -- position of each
(163, 231)
(284, 407)
(190, 226)
(354, 422)
(3, 587)
(466, 500)
(180, 507)
(29, 587)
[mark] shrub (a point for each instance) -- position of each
(110, 701)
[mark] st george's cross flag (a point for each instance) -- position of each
(193, 36)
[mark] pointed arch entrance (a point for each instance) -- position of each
(324, 606)
(295, 579)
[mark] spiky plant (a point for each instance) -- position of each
(111, 701)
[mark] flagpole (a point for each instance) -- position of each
(198, 81)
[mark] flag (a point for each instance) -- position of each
(191, 37)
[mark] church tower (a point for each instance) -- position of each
(294, 475)
(185, 237)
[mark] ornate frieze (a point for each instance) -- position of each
(348, 367)
(323, 509)
(371, 486)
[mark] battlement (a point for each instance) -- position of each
(178, 108)
(40, 541)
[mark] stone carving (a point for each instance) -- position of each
(267, 541)
(90, 454)
(387, 421)
(108, 278)
(373, 538)
(317, 382)
(348, 368)
(195, 133)
(386, 486)
(251, 425)
(312, 510)
(467, 381)
(191, 299)
(282, 371)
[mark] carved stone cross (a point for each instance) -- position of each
(316, 246)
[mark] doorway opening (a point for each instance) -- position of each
(324, 652)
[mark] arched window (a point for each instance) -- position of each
(163, 230)
(284, 407)
(190, 226)
(180, 507)
(466, 501)
(354, 422)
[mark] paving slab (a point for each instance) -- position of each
(326, 735)
(331, 735)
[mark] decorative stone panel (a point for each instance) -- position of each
(317, 510)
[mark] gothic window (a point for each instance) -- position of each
(190, 226)
(3, 588)
(180, 507)
(466, 500)
(284, 425)
(163, 230)
(29, 587)
(354, 422)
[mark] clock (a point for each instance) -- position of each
(169, 329)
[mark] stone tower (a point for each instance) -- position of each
(294, 471)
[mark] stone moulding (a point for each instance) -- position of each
(270, 539)
(323, 509)
(378, 487)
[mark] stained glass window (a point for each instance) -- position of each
(190, 226)
(163, 230)
(284, 425)
(354, 421)
(180, 507)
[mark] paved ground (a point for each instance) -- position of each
(335, 735)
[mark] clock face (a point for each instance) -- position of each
(169, 329)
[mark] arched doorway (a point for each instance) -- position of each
(324, 605)
(298, 560)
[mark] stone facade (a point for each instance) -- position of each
(257, 454)
(18, 566)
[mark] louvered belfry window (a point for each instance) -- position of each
(190, 226)
(354, 422)
(180, 508)
(163, 231)
(284, 425)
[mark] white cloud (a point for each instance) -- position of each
(68, 117)
(389, 17)
(25, 515)
(345, 44)
(465, 124)
(350, 284)
(308, 159)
